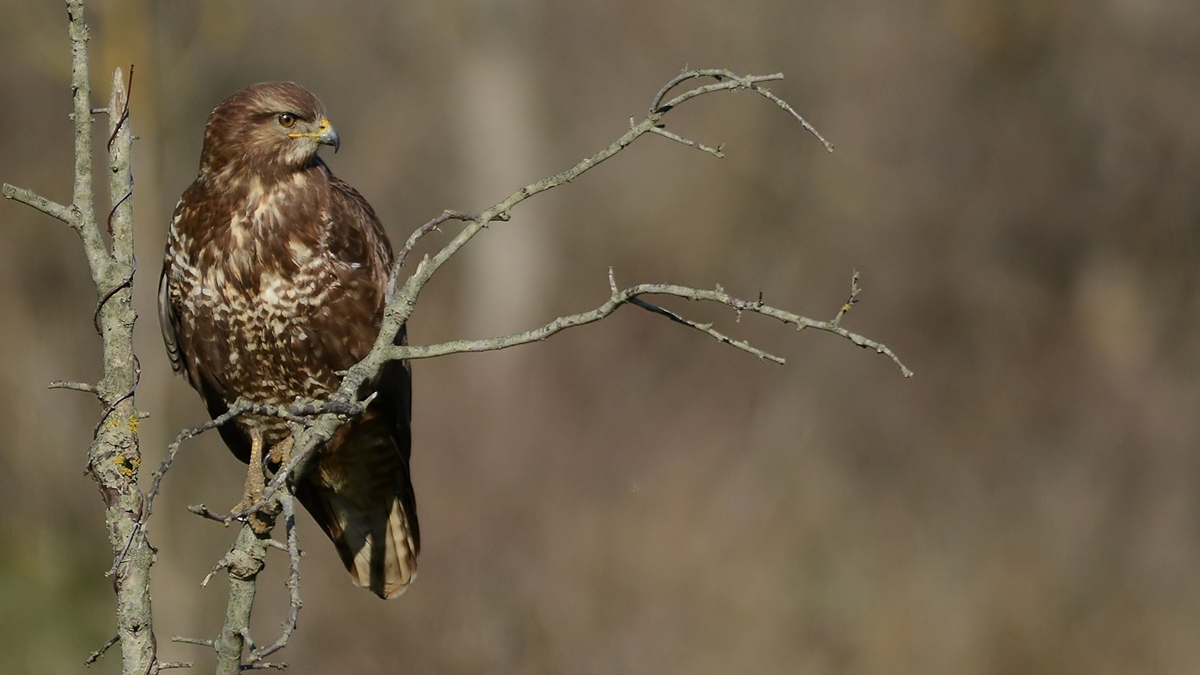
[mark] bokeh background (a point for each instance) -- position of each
(1016, 180)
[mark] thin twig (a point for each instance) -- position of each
(207, 513)
(246, 639)
(192, 641)
(631, 296)
(728, 80)
(423, 230)
(95, 656)
(299, 413)
(75, 386)
(851, 301)
(221, 564)
(175, 664)
(803, 122)
(715, 152)
(293, 582)
(708, 329)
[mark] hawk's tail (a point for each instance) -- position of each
(361, 495)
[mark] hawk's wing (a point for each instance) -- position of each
(360, 490)
(168, 320)
(169, 323)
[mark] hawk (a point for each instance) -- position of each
(274, 281)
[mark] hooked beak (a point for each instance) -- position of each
(327, 135)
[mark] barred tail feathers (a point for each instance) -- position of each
(379, 553)
(361, 495)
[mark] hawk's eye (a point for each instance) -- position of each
(287, 120)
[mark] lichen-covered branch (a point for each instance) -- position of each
(244, 561)
(36, 201)
(292, 547)
(114, 457)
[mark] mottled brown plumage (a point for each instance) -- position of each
(273, 281)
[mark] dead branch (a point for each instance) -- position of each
(114, 457)
(243, 562)
(293, 583)
(632, 296)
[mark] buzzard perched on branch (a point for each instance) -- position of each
(273, 282)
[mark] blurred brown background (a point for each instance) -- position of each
(1015, 179)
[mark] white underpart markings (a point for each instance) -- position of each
(273, 311)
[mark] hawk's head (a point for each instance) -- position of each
(268, 129)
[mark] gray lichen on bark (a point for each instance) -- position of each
(114, 457)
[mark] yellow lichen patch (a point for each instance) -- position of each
(132, 425)
(127, 466)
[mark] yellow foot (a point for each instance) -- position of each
(282, 452)
(256, 480)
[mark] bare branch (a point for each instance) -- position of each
(207, 513)
(719, 74)
(851, 301)
(244, 562)
(716, 152)
(803, 122)
(299, 414)
(192, 641)
(293, 582)
(631, 296)
(708, 329)
(75, 386)
(83, 217)
(728, 80)
(82, 112)
(114, 457)
(32, 199)
(421, 232)
(95, 656)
